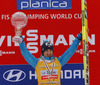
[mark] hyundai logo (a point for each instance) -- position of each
(14, 75)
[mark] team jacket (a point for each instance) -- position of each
(39, 66)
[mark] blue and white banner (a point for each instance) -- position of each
(71, 74)
(43, 4)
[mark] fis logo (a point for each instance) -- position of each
(43, 4)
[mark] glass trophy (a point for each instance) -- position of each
(19, 21)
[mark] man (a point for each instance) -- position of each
(48, 67)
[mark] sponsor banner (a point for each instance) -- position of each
(45, 74)
(43, 4)
(72, 74)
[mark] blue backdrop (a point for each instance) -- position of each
(71, 74)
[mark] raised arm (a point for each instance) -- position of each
(72, 49)
(27, 55)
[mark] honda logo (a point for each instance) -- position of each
(14, 75)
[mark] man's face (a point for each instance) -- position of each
(48, 53)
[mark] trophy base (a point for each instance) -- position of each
(17, 39)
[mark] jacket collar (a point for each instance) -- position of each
(47, 58)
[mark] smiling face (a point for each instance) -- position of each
(48, 53)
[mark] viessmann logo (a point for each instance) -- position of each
(14, 75)
(43, 4)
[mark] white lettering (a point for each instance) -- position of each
(60, 40)
(61, 16)
(23, 4)
(92, 40)
(61, 74)
(35, 38)
(37, 4)
(5, 17)
(43, 38)
(2, 39)
(38, 16)
(66, 74)
(29, 34)
(29, 46)
(71, 39)
(64, 4)
(77, 16)
(77, 73)
(54, 2)
(31, 75)
(44, 2)
(9, 42)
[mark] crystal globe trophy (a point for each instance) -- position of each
(19, 21)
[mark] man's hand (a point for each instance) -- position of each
(17, 37)
(87, 30)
